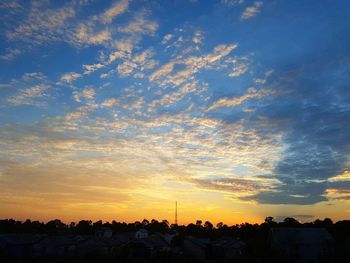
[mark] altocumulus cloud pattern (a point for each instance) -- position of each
(230, 103)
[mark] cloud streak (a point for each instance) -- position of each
(251, 94)
(252, 11)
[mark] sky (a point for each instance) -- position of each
(237, 109)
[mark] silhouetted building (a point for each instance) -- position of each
(147, 247)
(95, 246)
(228, 249)
(198, 248)
(142, 233)
(19, 245)
(104, 232)
(302, 245)
(57, 245)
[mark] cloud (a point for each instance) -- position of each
(345, 176)
(30, 89)
(11, 53)
(11, 6)
(193, 64)
(114, 56)
(87, 93)
(135, 104)
(170, 98)
(117, 9)
(137, 64)
(45, 24)
(70, 77)
(124, 46)
(230, 185)
(252, 11)
(27, 96)
(110, 102)
(84, 35)
(93, 31)
(313, 115)
(88, 69)
(167, 38)
(290, 197)
(42, 24)
(238, 70)
(197, 38)
(231, 3)
(139, 25)
(252, 93)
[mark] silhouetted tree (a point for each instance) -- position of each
(290, 222)
(55, 225)
(145, 222)
(165, 223)
(269, 220)
(84, 227)
(97, 224)
(219, 225)
(208, 226)
(199, 223)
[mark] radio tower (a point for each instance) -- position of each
(176, 213)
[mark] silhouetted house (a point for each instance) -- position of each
(57, 245)
(343, 250)
(304, 245)
(104, 246)
(169, 237)
(198, 248)
(120, 242)
(95, 246)
(104, 232)
(148, 247)
(142, 233)
(122, 238)
(19, 245)
(228, 249)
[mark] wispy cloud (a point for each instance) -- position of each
(88, 69)
(46, 24)
(166, 75)
(42, 25)
(252, 11)
(198, 38)
(110, 102)
(170, 98)
(167, 38)
(70, 77)
(10, 53)
(231, 3)
(252, 93)
(239, 67)
(236, 185)
(27, 96)
(30, 89)
(139, 25)
(85, 36)
(137, 64)
(87, 93)
(117, 9)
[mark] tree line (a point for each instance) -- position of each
(340, 230)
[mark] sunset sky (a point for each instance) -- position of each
(237, 109)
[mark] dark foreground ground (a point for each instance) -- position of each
(290, 241)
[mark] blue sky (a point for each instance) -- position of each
(228, 104)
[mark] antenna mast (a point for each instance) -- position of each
(175, 212)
